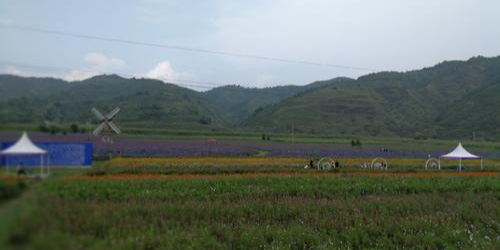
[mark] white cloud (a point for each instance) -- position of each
(102, 62)
(30, 72)
(12, 70)
(164, 72)
(99, 64)
(73, 75)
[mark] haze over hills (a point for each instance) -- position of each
(451, 99)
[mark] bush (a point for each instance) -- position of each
(11, 187)
(74, 128)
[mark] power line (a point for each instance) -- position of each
(195, 84)
(205, 85)
(189, 49)
(199, 85)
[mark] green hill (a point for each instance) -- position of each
(451, 99)
(12, 87)
(241, 102)
(145, 103)
(424, 103)
(477, 112)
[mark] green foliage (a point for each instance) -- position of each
(451, 99)
(205, 120)
(74, 128)
(14, 87)
(51, 128)
(356, 143)
(242, 102)
(146, 103)
(204, 168)
(11, 187)
(262, 213)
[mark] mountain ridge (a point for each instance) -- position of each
(450, 99)
(410, 104)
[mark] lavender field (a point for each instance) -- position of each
(197, 147)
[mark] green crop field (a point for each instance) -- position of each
(112, 207)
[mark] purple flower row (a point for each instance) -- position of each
(145, 147)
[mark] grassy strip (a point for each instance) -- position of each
(265, 213)
(14, 213)
(391, 142)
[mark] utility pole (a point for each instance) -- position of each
(293, 133)
(474, 136)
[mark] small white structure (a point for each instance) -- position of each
(326, 163)
(24, 146)
(460, 153)
(379, 163)
(432, 163)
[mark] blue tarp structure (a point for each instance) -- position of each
(59, 154)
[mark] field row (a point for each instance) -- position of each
(298, 212)
(346, 161)
(264, 165)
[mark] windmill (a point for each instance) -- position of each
(107, 127)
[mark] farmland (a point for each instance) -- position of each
(249, 125)
(252, 203)
(176, 191)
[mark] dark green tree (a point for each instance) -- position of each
(74, 128)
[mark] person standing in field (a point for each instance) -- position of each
(20, 169)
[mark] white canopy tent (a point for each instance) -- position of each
(460, 153)
(24, 146)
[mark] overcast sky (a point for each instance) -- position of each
(374, 35)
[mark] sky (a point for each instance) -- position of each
(340, 37)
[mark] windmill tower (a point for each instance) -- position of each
(106, 127)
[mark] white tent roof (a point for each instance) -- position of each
(23, 146)
(460, 153)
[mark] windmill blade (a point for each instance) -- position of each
(113, 113)
(99, 129)
(114, 127)
(98, 114)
